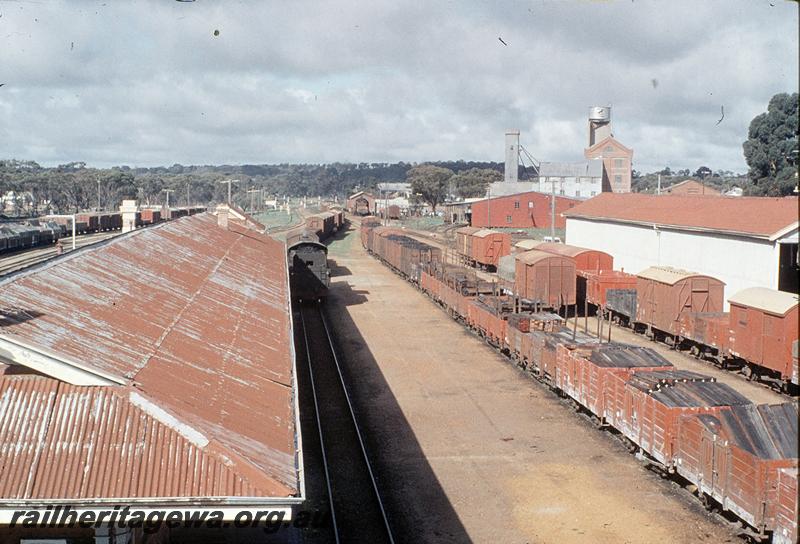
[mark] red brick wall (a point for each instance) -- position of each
(499, 210)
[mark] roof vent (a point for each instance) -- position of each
(222, 216)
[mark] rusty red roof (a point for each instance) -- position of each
(187, 328)
(754, 216)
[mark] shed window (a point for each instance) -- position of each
(516, 204)
(530, 204)
(594, 193)
(508, 219)
(609, 149)
(617, 163)
(617, 179)
(577, 192)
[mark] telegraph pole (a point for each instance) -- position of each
(98, 194)
(253, 192)
(188, 184)
(553, 211)
(229, 182)
(168, 191)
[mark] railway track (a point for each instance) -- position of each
(357, 512)
(14, 262)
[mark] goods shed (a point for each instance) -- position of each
(156, 368)
(743, 241)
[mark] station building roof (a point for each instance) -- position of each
(156, 365)
(758, 217)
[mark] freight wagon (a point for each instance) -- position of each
(482, 247)
(665, 294)
(735, 457)
(764, 325)
(651, 405)
(544, 278)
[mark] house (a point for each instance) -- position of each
(691, 187)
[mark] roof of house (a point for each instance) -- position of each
(179, 335)
(759, 217)
(706, 188)
(768, 300)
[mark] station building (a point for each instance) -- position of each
(154, 370)
(743, 241)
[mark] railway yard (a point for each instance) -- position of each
(432, 399)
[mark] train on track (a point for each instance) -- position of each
(737, 457)
(47, 230)
(683, 309)
(309, 274)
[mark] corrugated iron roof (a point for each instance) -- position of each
(193, 319)
(760, 217)
(768, 300)
(589, 168)
(83, 442)
(666, 274)
(483, 233)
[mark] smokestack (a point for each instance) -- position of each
(128, 211)
(222, 216)
(512, 156)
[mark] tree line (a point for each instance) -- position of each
(770, 151)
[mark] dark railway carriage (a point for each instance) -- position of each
(309, 275)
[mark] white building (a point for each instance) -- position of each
(744, 241)
(574, 179)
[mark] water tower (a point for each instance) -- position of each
(599, 123)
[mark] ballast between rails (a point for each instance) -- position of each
(736, 457)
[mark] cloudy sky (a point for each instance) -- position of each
(149, 83)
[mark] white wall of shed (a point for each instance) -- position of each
(739, 262)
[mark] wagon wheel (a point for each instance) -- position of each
(747, 370)
(694, 351)
(705, 500)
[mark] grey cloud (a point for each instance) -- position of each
(149, 83)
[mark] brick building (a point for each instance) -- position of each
(617, 164)
(523, 210)
(691, 187)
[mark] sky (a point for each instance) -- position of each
(157, 83)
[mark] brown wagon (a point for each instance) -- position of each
(764, 325)
(664, 294)
(735, 456)
(545, 278)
